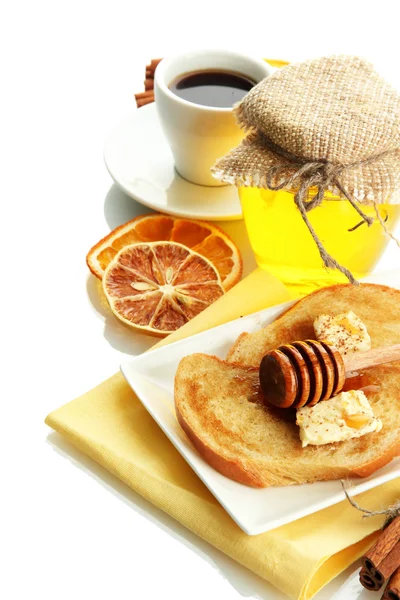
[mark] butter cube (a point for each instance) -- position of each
(345, 416)
(345, 331)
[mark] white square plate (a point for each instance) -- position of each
(151, 376)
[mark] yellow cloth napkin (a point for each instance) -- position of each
(111, 426)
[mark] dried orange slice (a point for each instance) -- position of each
(206, 239)
(158, 286)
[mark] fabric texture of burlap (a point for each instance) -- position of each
(336, 111)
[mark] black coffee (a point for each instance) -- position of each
(212, 87)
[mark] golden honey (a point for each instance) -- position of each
(283, 245)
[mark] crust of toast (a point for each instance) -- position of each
(230, 468)
(370, 468)
(235, 470)
(328, 300)
(336, 289)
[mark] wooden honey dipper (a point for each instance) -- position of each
(304, 373)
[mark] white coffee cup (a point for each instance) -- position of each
(198, 135)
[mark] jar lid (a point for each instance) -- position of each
(335, 113)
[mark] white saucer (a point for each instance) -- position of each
(140, 161)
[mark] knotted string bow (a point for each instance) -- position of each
(303, 174)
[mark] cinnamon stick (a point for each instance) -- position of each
(142, 95)
(368, 582)
(151, 68)
(144, 101)
(154, 63)
(392, 591)
(146, 97)
(383, 558)
(383, 545)
(390, 563)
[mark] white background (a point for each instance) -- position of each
(68, 72)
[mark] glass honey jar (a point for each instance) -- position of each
(283, 245)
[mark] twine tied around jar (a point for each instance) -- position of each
(322, 175)
(332, 124)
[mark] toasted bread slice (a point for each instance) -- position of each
(220, 407)
(378, 306)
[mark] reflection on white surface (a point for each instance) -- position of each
(138, 158)
(118, 335)
(348, 587)
(248, 585)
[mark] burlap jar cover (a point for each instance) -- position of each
(326, 124)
